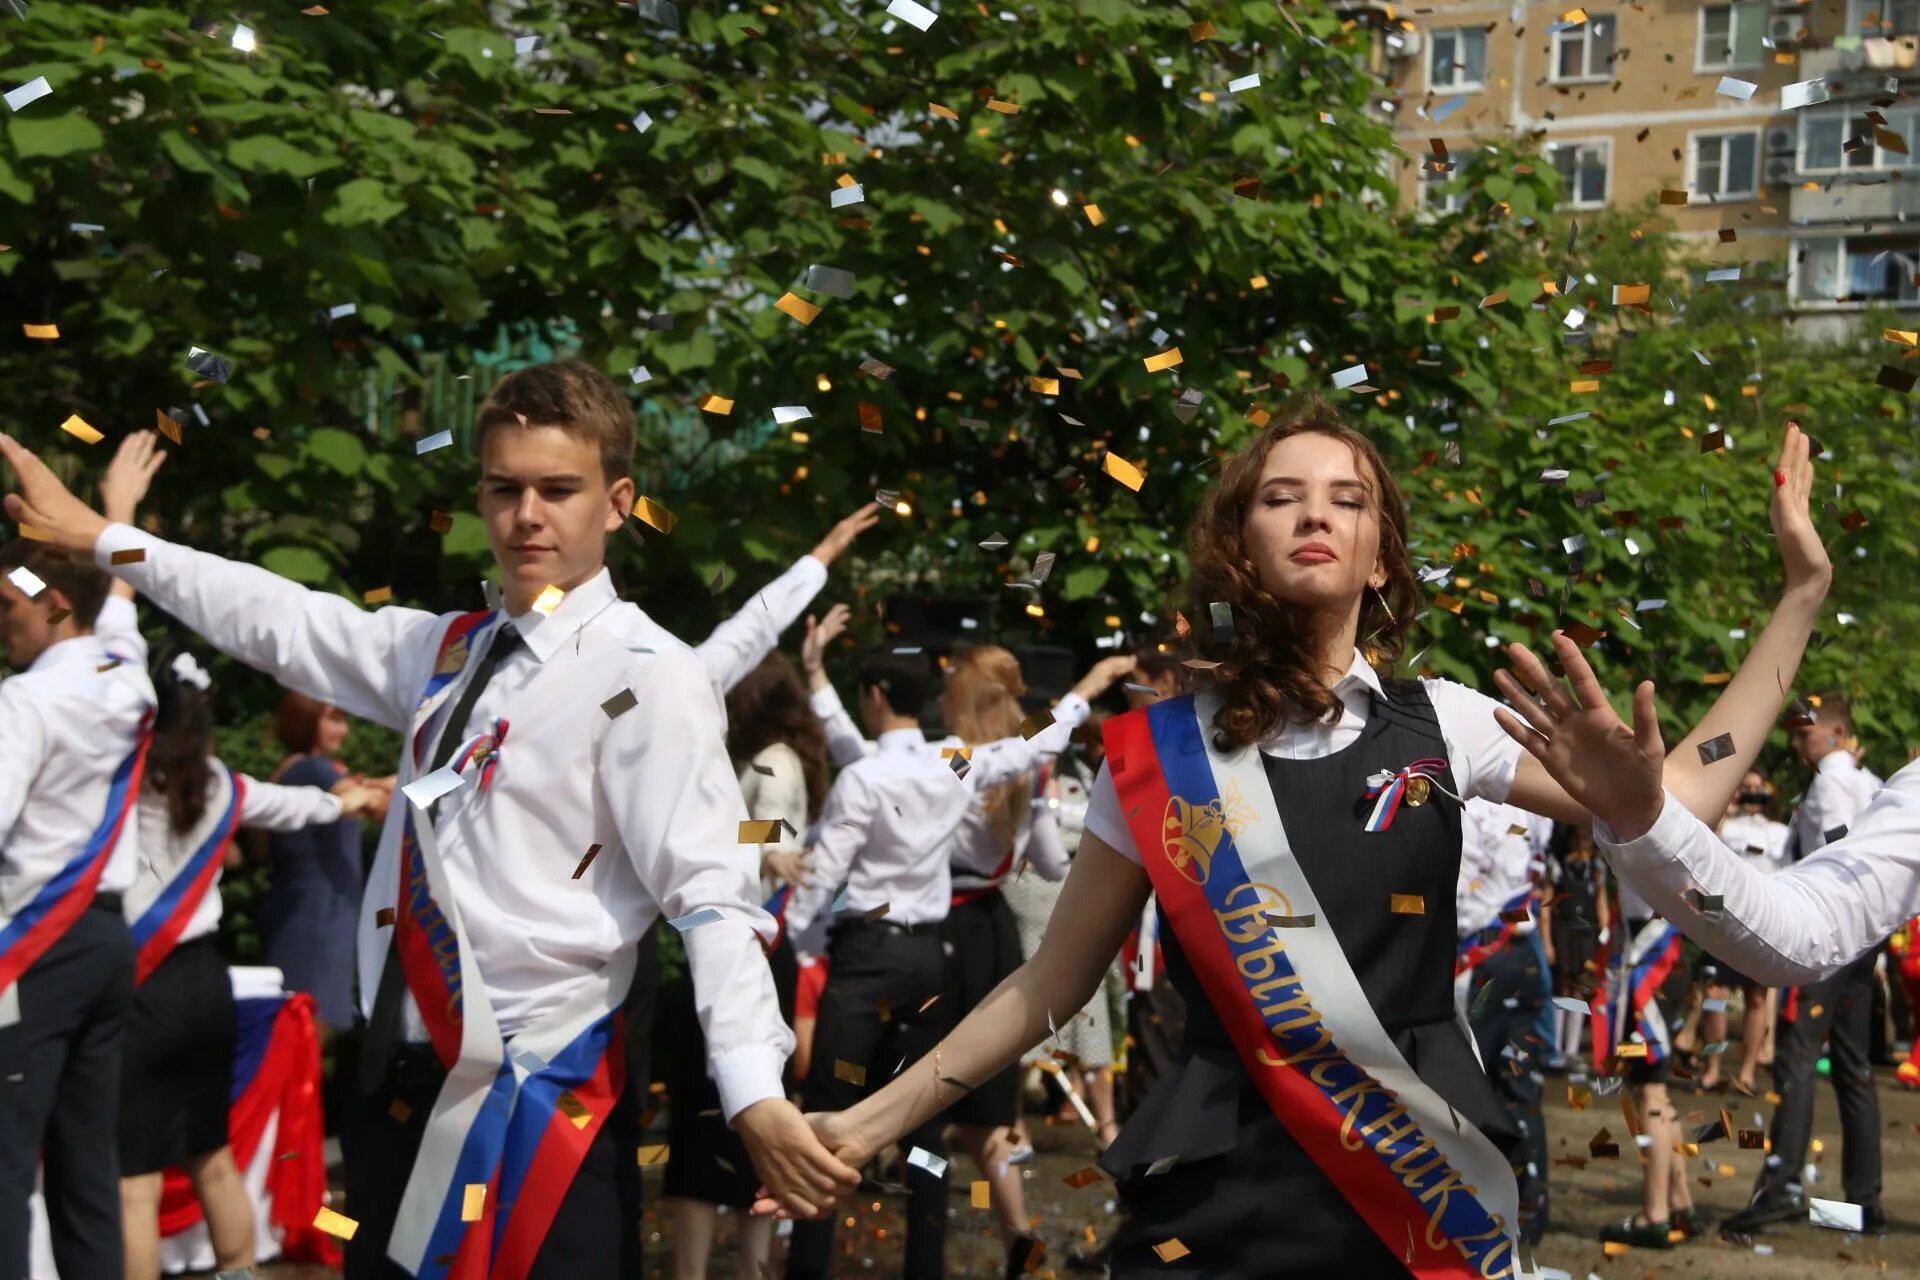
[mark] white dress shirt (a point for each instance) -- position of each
(67, 723)
(1479, 751)
(164, 851)
(1758, 839)
(1802, 924)
(1839, 791)
(651, 786)
(1502, 853)
(743, 641)
(885, 833)
(774, 785)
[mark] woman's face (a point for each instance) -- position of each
(1312, 530)
(331, 733)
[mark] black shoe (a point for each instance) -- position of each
(1873, 1220)
(1095, 1259)
(1022, 1255)
(1691, 1222)
(1641, 1235)
(1765, 1209)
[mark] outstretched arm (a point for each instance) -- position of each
(1746, 710)
(128, 478)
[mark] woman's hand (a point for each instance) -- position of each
(788, 1151)
(813, 650)
(838, 1134)
(1104, 675)
(357, 797)
(1803, 558)
(777, 864)
(841, 536)
(129, 476)
(43, 502)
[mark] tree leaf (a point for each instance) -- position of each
(267, 153)
(54, 136)
(341, 450)
(364, 200)
(302, 564)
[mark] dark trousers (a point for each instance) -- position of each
(878, 977)
(1510, 987)
(1835, 1012)
(60, 1097)
(594, 1236)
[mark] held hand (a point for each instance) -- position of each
(1613, 770)
(129, 476)
(1104, 675)
(357, 799)
(42, 501)
(841, 536)
(790, 867)
(1803, 560)
(836, 1134)
(802, 1175)
(813, 649)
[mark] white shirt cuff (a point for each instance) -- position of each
(746, 1075)
(116, 538)
(1664, 842)
(1072, 710)
(824, 701)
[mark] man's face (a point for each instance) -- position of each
(1813, 742)
(548, 508)
(25, 632)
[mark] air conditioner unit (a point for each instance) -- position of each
(1404, 44)
(1784, 30)
(1779, 171)
(1781, 142)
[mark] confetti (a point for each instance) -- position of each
(1165, 360)
(1171, 1250)
(1582, 634)
(1408, 904)
(652, 1154)
(851, 1072)
(693, 920)
(1037, 723)
(473, 1202)
(1805, 93)
(1716, 749)
(338, 1225)
(137, 555)
(209, 365)
(422, 792)
(913, 13)
(845, 197)
(1123, 471)
(32, 91)
(870, 418)
(980, 1195)
(379, 595)
(1278, 921)
(652, 514)
(1044, 386)
(1753, 1139)
(1895, 379)
(79, 428)
(427, 444)
(1732, 88)
(574, 1110)
(1094, 216)
(593, 851)
(1351, 376)
(548, 600)
(919, 1157)
(383, 918)
(1836, 1215)
(44, 332)
(788, 413)
(715, 404)
(1244, 83)
(29, 583)
(620, 703)
(763, 831)
(1627, 295)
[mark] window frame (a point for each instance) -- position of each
(1701, 65)
(1857, 11)
(1694, 139)
(1584, 34)
(1845, 266)
(1605, 144)
(1425, 180)
(1433, 48)
(1902, 122)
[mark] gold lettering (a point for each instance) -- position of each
(1448, 1186)
(1262, 990)
(1356, 1091)
(1390, 1127)
(1403, 1164)
(1321, 1047)
(1258, 963)
(1248, 923)
(1300, 1007)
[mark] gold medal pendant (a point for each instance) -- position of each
(1419, 787)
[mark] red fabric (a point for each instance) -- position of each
(806, 996)
(288, 1081)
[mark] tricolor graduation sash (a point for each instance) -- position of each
(1435, 1190)
(1476, 947)
(1625, 1005)
(55, 905)
(157, 930)
(513, 1120)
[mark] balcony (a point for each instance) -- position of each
(1881, 196)
(1864, 67)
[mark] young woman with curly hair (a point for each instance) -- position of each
(1298, 818)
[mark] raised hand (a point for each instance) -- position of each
(802, 1174)
(841, 536)
(1803, 559)
(42, 501)
(1612, 770)
(129, 476)
(835, 1134)
(1104, 674)
(813, 649)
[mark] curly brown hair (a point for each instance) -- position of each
(1268, 673)
(770, 705)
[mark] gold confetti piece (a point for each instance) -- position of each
(473, 1202)
(1628, 295)
(716, 404)
(1493, 299)
(45, 332)
(1165, 360)
(166, 425)
(1004, 108)
(1582, 634)
(338, 1225)
(869, 417)
(1093, 213)
(1579, 1098)
(1753, 1139)
(796, 306)
(548, 600)
(1044, 386)
(379, 595)
(34, 533)
(574, 1110)
(383, 918)
(1629, 1051)
(1171, 1250)
(1614, 1249)
(760, 832)
(1670, 196)
(1905, 337)
(1082, 1178)
(1408, 904)
(981, 1194)
(619, 704)
(78, 427)
(1574, 17)
(1448, 603)
(1199, 31)
(399, 1111)
(651, 513)
(1037, 723)
(1584, 386)
(1123, 471)
(593, 851)
(135, 556)
(851, 1072)
(261, 433)
(651, 1154)
(315, 11)
(878, 912)
(945, 113)
(1278, 921)
(1258, 282)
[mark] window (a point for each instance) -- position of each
(1583, 172)
(1585, 52)
(1856, 269)
(1458, 59)
(1724, 165)
(1884, 17)
(1730, 35)
(1833, 140)
(1445, 190)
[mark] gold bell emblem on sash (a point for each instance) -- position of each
(1190, 834)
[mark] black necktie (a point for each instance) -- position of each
(383, 1028)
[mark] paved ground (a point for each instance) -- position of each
(1585, 1196)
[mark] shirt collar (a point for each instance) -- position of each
(544, 634)
(69, 652)
(901, 740)
(1838, 762)
(1359, 672)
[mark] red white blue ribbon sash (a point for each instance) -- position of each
(1624, 1010)
(1476, 947)
(55, 905)
(157, 929)
(513, 1120)
(1433, 1188)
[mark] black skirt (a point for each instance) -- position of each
(981, 942)
(176, 1072)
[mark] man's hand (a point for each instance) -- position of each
(1613, 770)
(813, 649)
(129, 476)
(802, 1176)
(841, 536)
(359, 799)
(780, 865)
(835, 1133)
(1803, 560)
(1104, 675)
(42, 501)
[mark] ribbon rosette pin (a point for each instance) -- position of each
(1411, 784)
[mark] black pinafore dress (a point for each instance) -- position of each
(1241, 1195)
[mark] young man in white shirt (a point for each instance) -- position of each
(566, 784)
(73, 733)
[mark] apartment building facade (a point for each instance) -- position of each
(1650, 99)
